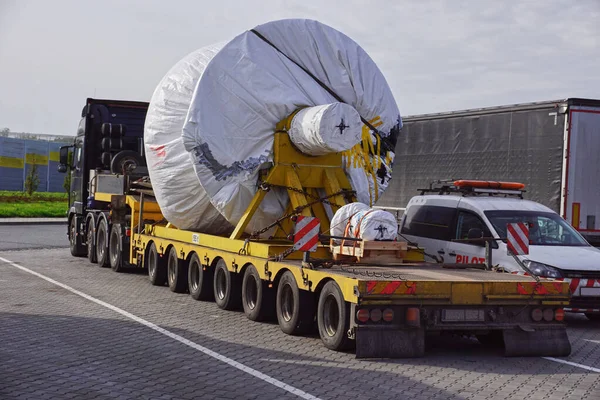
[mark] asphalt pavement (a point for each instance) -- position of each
(70, 329)
(33, 236)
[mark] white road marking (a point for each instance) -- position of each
(558, 360)
(208, 352)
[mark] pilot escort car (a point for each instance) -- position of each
(448, 220)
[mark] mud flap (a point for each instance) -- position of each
(545, 342)
(389, 343)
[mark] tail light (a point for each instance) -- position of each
(559, 314)
(388, 315)
(376, 315)
(413, 316)
(537, 315)
(127, 232)
(548, 314)
(362, 315)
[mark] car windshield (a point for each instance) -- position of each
(545, 228)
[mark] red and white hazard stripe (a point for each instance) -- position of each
(306, 234)
(517, 235)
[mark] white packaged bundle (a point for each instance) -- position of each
(242, 90)
(359, 221)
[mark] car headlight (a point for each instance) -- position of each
(542, 270)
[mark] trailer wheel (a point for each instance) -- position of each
(295, 309)
(157, 268)
(177, 274)
(115, 249)
(102, 243)
(200, 282)
(77, 249)
(257, 298)
(226, 287)
(333, 317)
(90, 238)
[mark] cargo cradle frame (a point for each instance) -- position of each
(384, 310)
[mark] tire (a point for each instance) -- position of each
(226, 287)
(77, 249)
(102, 232)
(333, 318)
(200, 283)
(177, 274)
(593, 317)
(157, 266)
(124, 160)
(91, 240)
(105, 144)
(116, 144)
(295, 310)
(257, 298)
(115, 249)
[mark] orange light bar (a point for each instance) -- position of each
(490, 184)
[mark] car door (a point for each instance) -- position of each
(466, 253)
(429, 226)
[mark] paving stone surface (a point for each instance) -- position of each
(55, 344)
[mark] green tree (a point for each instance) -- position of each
(4, 132)
(32, 180)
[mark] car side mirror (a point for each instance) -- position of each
(62, 168)
(475, 233)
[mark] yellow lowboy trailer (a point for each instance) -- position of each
(383, 310)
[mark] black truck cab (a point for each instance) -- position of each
(109, 139)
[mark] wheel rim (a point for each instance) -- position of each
(194, 276)
(287, 303)
(73, 240)
(251, 293)
(114, 249)
(331, 315)
(151, 263)
(101, 242)
(171, 267)
(90, 240)
(221, 283)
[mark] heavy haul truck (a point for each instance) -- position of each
(381, 297)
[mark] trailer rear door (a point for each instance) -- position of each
(582, 183)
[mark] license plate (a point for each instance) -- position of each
(590, 291)
(462, 315)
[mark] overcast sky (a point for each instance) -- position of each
(437, 55)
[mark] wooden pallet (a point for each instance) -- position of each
(370, 251)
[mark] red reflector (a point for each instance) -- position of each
(537, 315)
(362, 315)
(548, 314)
(388, 315)
(559, 314)
(413, 316)
(376, 315)
(127, 232)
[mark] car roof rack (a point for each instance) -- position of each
(475, 188)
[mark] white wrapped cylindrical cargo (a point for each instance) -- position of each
(234, 95)
(358, 220)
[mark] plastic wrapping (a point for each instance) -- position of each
(360, 221)
(330, 128)
(240, 92)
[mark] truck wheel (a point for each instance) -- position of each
(257, 298)
(200, 282)
(333, 317)
(124, 160)
(295, 309)
(593, 317)
(226, 287)
(157, 268)
(77, 249)
(102, 244)
(115, 249)
(176, 272)
(90, 237)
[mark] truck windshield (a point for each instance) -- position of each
(545, 228)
